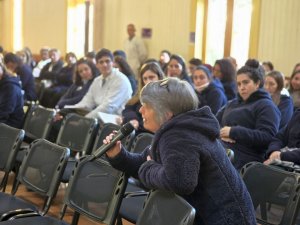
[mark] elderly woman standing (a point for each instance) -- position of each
(185, 156)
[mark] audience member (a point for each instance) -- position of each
(250, 121)
(193, 64)
(209, 92)
(135, 49)
(149, 72)
(123, 66)
(185, 156)
(11, 99)
(268, 66)
(285, 145)
(164, 58)
(85, 73)
(108, 92)
(274, 84)
(177, 68)
(15, 65)
(224, 71)
(120, 53)
(45, 59)
(51, 70)
(91, 56)
(29, 58)
(233, 61)
(59, 83)
(294, 88)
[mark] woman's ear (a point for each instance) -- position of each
(169, 115)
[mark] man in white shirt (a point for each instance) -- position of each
(109, 92)
(135, 49)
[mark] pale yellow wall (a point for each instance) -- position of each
(6, 25)
(169, 20)
(279, 36)
(45, 23)
(1, 22)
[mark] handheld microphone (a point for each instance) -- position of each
(124, 131)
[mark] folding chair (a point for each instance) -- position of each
(10, 141)
(95, 190)
(78, 134)
(275, 193)
(40, 172)
(135, 195)
(163, 208)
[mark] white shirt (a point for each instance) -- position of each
(136, 52)
(108, 98)
(37, 70)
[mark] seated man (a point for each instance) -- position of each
(285, 145)
(108, 92)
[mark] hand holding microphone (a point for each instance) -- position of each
(109, 143)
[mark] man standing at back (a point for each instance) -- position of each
(135, 50)
(109, 92)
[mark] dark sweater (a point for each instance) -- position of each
(28, 84)
(286, 109)
(213, 96)
(289, 137)
(11, 101)
(253, 124)
(189, 160)
(230, 88)
(74, 94)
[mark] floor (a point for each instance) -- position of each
(56, 205)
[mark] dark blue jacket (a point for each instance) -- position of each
(11, 101)
(27, 80)
(213, 96)
(253, 124)
(286, 109)
(289, 137)
(188, 159)
(74, 94)
(230, 88)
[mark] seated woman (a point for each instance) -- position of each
(85, 72)
(224, 72)
(294, 88)
(185, 156)
(274, 83)
(285, 145)
(11, 99)
(177, 68)
(123, 66)
(149, 72)
(250, 121)
(209, 93)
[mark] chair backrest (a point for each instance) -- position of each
(275, 193)
(105, 130)
(77, 133)
(10, 141)
(38, 122)
(42, 168)
(141, 141)
(96, 190)
(163, 208)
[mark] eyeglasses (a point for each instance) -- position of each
(164, 83)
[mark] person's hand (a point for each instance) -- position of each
(116, 149)
(57, 117)
(135, 124)
(149, 158)
(273, 156)
(229, 140)
(119, 120)
(224, 132)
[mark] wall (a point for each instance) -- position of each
(279, 34)
(6, 31)
(168, 19)
(45, 24)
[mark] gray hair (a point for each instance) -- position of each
(170, 95)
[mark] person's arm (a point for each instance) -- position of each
(286, 108)
(178, 170)
(8, 103)
(266, 126)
